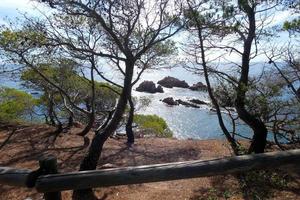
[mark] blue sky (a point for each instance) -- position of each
(13, 8)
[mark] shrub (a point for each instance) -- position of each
(15, 105)
(157, 124)
(261, 184)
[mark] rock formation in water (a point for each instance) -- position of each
(159, 89)
(170, 101)
(170, 82)
(149, 86)
(187, 104)
(197, 101)
(198, 87)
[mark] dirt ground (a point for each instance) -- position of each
(29, 143)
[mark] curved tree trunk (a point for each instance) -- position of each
(260, 131)
(59, 125)
(109, 116)
(129, 131)
(90, 161)
(71, 115)
(90, 103)
(88, 127)
(214, 101)
(51, 111)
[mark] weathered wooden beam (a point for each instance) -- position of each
(14, 177)
(166, 172)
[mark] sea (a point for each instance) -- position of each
(185, 122)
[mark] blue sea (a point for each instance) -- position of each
(184, 122)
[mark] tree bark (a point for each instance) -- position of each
(90, 161)
(109, 116)
(70, 121)
(89, 126)
(129, 131)
(260, 132)
(51, 111)
(54, 117)
(59, 126)
(214, 101)
(259, 139)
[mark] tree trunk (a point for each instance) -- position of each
(214, 101)
(59, 126)
(109, 116)
(90, 161)
(51, 112)
(88, 127)
(87, 104)
(129, 131)
(260, 132)
(70, 121)
(59, 129)
(46, 119)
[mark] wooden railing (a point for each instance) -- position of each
(47, 181)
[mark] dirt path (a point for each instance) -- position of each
(28, 144)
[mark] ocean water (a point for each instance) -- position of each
(185, 123)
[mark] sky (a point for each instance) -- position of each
(13, 8)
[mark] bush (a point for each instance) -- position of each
(157, 124)
(261, 184)
(15, 105)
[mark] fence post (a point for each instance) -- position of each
(48, 165)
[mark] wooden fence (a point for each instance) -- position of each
(47, 180)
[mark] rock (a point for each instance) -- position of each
(187, 104)
(170, 82)
(159, 89)
(149, 86)
(34, 93)
(197, 101)
(146, 86)
(198, 87)
(298, 92)
(170, 101)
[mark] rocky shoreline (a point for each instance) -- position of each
(171, 82)
(168, 82)
(194, 103)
